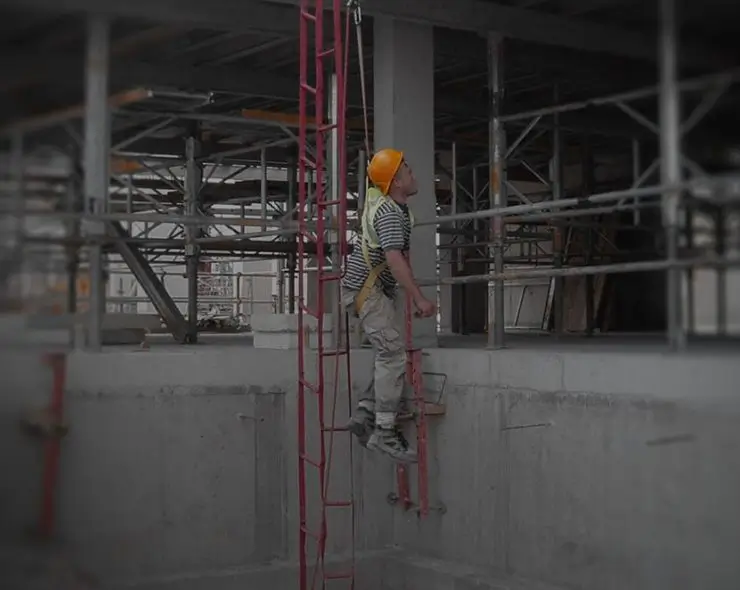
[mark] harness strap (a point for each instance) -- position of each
(368, 285)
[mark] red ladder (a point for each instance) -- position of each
(314, 466)
(414, 377)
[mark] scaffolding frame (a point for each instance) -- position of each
(670, 191)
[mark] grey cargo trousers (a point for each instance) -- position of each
(382, 321)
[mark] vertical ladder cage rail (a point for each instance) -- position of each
(312, 24)
(414, 377)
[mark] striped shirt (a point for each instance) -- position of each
(392, 224)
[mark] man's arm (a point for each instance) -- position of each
(401, 270)
(389, 228)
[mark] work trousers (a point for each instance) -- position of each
(382, 320)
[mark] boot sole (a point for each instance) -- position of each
(359, 430)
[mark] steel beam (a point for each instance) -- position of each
(60, 72)
(526, 25)
(470, 15)
(147, 278)
(96, 155)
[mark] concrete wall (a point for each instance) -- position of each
(179, 471)
(630, 481)
(180, 463)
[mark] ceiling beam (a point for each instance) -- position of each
(470, 15)
(528, 25)
(59, 72)
(224, 15)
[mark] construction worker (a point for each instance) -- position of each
(373, 274)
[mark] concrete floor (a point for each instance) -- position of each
(556, 467)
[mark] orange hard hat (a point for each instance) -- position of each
(383, 167)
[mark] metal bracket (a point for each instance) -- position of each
(43, 424)
(393, 498)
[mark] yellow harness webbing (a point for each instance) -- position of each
(373, 202)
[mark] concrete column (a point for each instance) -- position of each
(404, 119)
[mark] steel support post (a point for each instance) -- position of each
(636, 173)
(193, 182)
(280, 276)
(263, 188)
(457, 291)
(688, 226)
(587, 187)
(73, 205)
(556, 179)
(96, 156)
(334, 237)
(11, 261)
(496, 188)
(720, 245)
(292, 196)
(17, 175)
(670, 153)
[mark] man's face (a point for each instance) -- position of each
(405, 180)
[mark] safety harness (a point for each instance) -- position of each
(373, 201)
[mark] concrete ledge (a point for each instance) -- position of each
(280, 331)
(369, 575)
(414, 572)
(390, 569)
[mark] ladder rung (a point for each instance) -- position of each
(335, 352)
(308, 88)
(328, 277)
(309, 162)
(339, 576)
(330, 203)
(326, 52)
(308, 15)
(309, 533)
(309, 236)
(327, 127)
(309, 311)
(310, 461)
(308, 385)
(338, 504)
(335, 429)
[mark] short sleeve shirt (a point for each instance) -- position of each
(392, 224)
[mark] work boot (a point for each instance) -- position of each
(362, 425)
(392, 442)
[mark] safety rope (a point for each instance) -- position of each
(356, 9)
